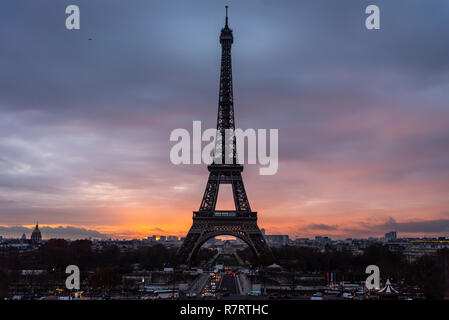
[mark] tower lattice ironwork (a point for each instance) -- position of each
(225, 169)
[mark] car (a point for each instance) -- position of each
(191, 294)
(254, 293)
(347, 295)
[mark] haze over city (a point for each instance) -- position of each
(363, 117)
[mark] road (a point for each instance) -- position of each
(229, 283)
(199, 284)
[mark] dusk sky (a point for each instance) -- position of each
(363, 115)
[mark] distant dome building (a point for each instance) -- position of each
(36, 235)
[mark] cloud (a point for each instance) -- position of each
(67, 232)
(429, 226)
(320, 226)
(362, 115)
(410, 228)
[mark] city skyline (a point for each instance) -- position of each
(76, 233)
(362, 117)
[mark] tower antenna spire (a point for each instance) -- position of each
(226, 16)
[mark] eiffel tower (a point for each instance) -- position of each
(225, 169)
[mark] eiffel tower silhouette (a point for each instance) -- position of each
(225, 169)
